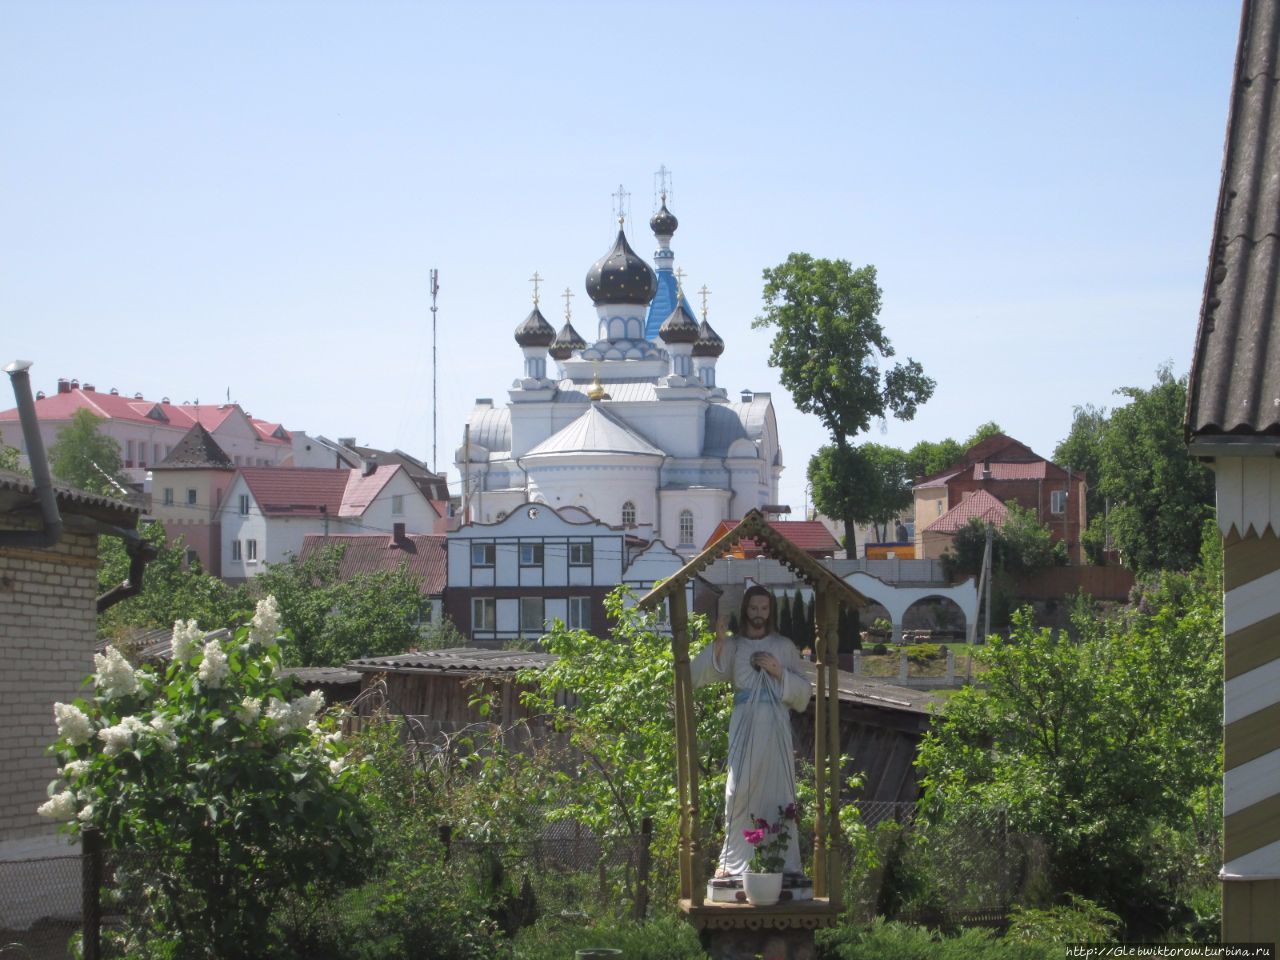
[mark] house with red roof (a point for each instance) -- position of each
(268, 513)
(997, 471)
(811, 536)
(423, 556)
(148, 430)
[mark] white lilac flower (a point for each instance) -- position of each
(279, 715)
(73, 725)
(120, 737)
(186, 640)
(337, 766)
(86, 813)
(213, 668)
(285, 717)
(162, 730)
(75, 769)
(249, 711)
(61, 806)
(265, 626)
(308, 706)
(113, 677)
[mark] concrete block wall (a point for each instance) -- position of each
(47, 630)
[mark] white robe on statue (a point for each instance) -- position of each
(762, 770)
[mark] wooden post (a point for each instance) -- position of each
(687, 741)
(642, 871)
(680, 651)
(91, 893)
(821, 762)
(830, 640)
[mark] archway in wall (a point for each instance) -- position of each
(940, 616)
(897, 600)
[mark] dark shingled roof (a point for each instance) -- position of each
(423, 556)
(72, 500)
(1235, 373)
(197, 448)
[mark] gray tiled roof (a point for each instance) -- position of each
(454, 660)
(1235, 374)
(72, 499)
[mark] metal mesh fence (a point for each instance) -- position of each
(40, 906)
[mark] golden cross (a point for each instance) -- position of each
(535, 280)
(568, 309)
(705, 293)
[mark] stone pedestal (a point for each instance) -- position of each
(745, 944)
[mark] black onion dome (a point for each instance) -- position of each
(621, 277)
(709, 343)
(664, 222)
(567, 341)
(535, 331)
(679, 327)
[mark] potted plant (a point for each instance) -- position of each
(762, 881)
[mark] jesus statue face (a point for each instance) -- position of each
(757, 616)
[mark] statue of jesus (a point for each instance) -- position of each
(764, 668)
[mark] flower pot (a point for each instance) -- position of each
(762, 889)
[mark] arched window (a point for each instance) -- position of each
(628, 514)
(686, 526)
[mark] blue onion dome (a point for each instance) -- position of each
(708, 343)
(679, 327)
(664, 222)
(567, 342)
(535, 331)
(621, 277)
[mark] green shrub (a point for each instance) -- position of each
(1078, 921)
(878, 649)
(921, 653)
(899, 941)
(663, 938)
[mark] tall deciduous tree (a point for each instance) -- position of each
(982, 432)
(85, 458)
(1082, 452)
(928, 457)
(829, 346)
(1159, 494)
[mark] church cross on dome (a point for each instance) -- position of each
(704, 292)
(662, 182)
(621, 203)
(568, 308)
(535, 280)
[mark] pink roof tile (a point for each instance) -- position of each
(1014, 471)
(362, 491)
(296, 492)
(978, 505)
(940, 481)
(424, 556)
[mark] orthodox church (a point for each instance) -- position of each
(631, 428)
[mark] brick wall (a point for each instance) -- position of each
(47, 629)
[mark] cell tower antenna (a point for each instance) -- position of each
(661, 187)
(435, 289)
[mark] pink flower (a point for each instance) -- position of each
(754, 836)
(762, 823)
(790, 812)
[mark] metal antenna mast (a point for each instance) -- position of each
(435, 288)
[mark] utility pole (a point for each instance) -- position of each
(435, 288)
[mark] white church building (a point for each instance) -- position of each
(631, 428)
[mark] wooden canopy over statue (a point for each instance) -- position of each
(830, 594)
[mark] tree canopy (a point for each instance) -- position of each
(85, 458)
(868, 482)
(829, 348)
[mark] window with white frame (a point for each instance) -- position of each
(236, 554)
(579, 613)
(532, 617)
(482, 554)
(244, 504)
(397, 504)
(251, 551)
(531, 554)
(168, 496)
(628, 514)
(192, 496)
(1058, 501)
(484, 613)
(580, 554)
(686, 527)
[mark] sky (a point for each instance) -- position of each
(210, 199)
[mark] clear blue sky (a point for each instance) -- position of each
(199, 196)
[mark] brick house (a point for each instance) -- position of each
(1008, 471)
(48, 623)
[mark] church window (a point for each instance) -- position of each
(484, 613)
(532, 616)
(530, 554)
(482, 554)
(686, 526)
(579, 613)
(579, 554)
(628, 514)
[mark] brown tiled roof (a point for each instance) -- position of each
(809, 535)
(1013, 471)
(978, 505)
(1235, 372)
(423, 555)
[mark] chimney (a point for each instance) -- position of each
(346, 441)
(88, 388)
(75, 384)
(368, 466)
(746, 396)
(64, 385)
(397, 532)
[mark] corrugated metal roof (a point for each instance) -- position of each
(69, 497)
(596, 431)
(978, 505)
(323, 675)
(454, 660)
(424, 556)
(1235, 373)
